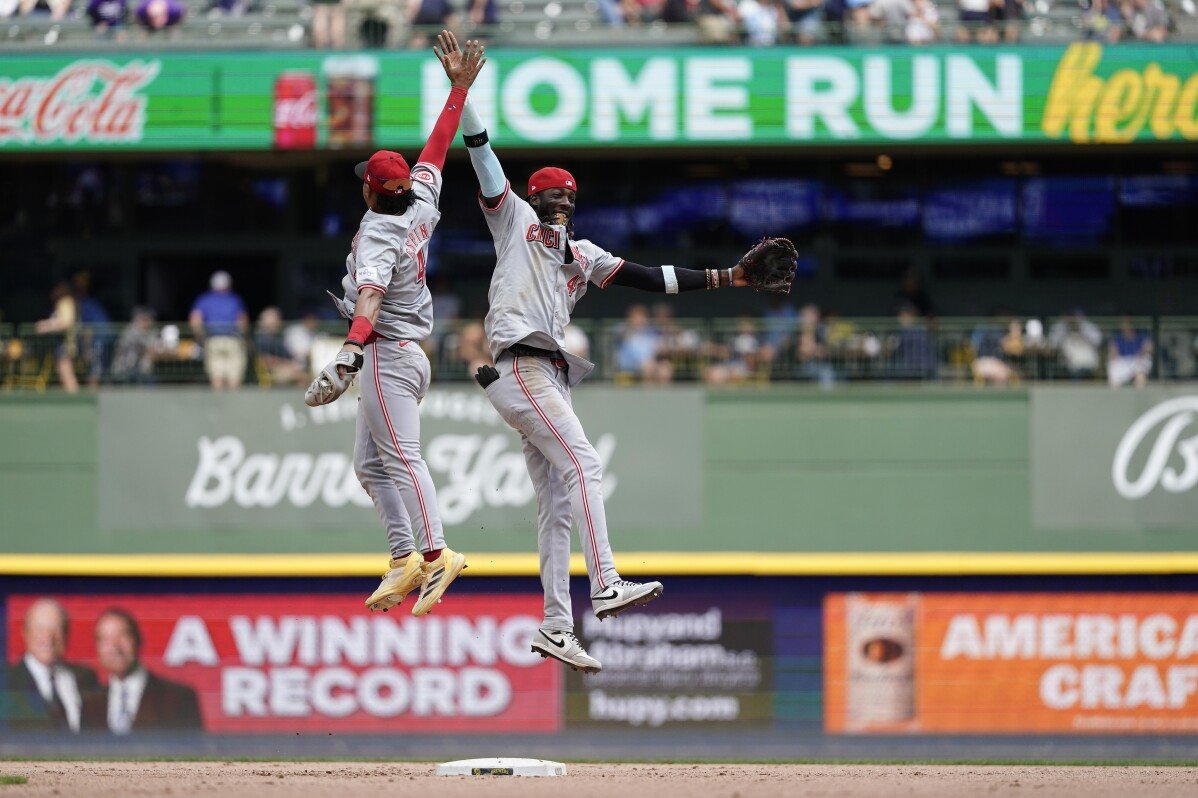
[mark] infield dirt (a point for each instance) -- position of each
(352, 779)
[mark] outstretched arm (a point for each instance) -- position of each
(491, 181)
(673, 280)
(462, 67)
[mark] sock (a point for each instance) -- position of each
(429, 556)
(398, 558)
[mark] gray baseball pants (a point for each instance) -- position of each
(394, 379)
(533, 397)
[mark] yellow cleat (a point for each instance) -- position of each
(440, 574)
(405, 575)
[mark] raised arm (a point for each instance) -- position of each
(462, 67)
(491, 181)
(674, 280)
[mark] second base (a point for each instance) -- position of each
(501, 766)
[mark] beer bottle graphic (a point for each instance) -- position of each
(880, 631)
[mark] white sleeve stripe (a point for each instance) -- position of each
(671, 279)
(609, 277)
(502, 199)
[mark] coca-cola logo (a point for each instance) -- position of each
(296, 113)
(474, 471)
(1169, 420)
(94, 101)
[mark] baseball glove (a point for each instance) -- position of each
(770, 265)
(333, 381)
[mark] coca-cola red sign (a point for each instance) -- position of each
(90, 100)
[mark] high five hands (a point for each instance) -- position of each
(461, 65)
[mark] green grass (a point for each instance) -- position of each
(6, 778)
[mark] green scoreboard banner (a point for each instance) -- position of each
(1085, 93)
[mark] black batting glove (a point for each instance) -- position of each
(486, 375)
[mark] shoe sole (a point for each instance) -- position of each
(611, 612)
(384, 603)
(546, 654)
(426, 603)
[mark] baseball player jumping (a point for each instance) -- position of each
(540, 273)
(390, 309)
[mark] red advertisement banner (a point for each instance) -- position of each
(288, 663)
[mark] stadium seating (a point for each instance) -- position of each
(281, 24)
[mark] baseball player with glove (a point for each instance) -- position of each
(390, 309)
(541, 271)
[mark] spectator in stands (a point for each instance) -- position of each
(893, 15)
(430, 15)
(675, 344)
(761, 20)
(95, 338)
(328, 24)
(636, 12)
(156, 15)
(806, 19)
(1103, 21)
(923, 23)
(1009, 12)
(272, 352)
(219, 321)
(1076, 340)
(859, 14)
(738, 359)
(811, 350)
(975, 22)
(913, 347)
(611, 12)
(484, 12)
(718, 21)
(62, 324)
(778, 324)
(1129, 356)
(1147, 19)
(299, 338)
(577, 341)
(137, 349)
(107, 15)
(9, 8)
(992, 342)
(468, 348)
(636, 348)
(835, 14)
(57, 9)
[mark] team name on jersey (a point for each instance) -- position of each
(545, 235)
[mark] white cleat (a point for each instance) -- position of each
(564, 647)
(622, 595)
(405, 575)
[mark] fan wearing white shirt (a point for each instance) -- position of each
(44, 692)
(136, 700)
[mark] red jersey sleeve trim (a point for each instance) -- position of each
(615, 271)
(371, 287)
(507, 187)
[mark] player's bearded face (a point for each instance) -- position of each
(555, 205)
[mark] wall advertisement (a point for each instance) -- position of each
(278, 664)
(977, 663)
(1080, 94)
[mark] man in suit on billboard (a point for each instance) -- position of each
(136, 700)
(42, 690)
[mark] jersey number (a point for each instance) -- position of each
(420, 258)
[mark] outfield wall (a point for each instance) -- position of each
(870, 480)
(732, 667)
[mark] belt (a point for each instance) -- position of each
(554, 356)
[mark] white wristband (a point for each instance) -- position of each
(671, 279)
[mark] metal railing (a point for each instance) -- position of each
(784, 348)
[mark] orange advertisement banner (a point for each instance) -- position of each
(1106, 663)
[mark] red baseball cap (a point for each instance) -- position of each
(386, 172)
(551, 177)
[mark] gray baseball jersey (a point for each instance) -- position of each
(536, 284)
(533, 292)
(389, 255)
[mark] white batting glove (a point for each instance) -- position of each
(334, 379)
